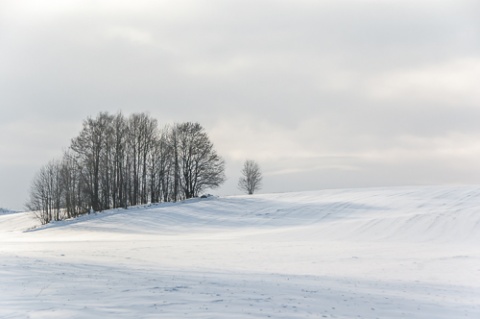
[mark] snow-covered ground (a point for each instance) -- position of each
(411, 252)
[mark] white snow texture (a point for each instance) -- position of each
(408, 252)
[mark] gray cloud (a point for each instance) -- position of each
(322, 93)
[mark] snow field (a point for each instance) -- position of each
(410, 252)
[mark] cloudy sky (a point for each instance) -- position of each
(322, 94)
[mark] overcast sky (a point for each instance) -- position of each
(322, 94)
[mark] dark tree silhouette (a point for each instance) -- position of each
(118, 162)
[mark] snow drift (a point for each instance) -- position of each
(407, 252)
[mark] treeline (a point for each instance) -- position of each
(119, 161)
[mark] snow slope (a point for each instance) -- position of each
(408, 252)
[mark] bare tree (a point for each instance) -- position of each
(46, 193)
(164, 168)
(201, 167)
(252, 177)
(141, 143)
(119, 161)
(91, 145)
(38, 201)
(73, 200)
(176, 167)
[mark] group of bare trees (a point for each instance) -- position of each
(119, 161)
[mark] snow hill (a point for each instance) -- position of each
(405, 252)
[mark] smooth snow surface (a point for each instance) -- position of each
(410, 252)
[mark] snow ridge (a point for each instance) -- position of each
(435, 214)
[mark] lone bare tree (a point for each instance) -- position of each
(252, 177)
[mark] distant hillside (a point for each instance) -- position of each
(4, 211)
